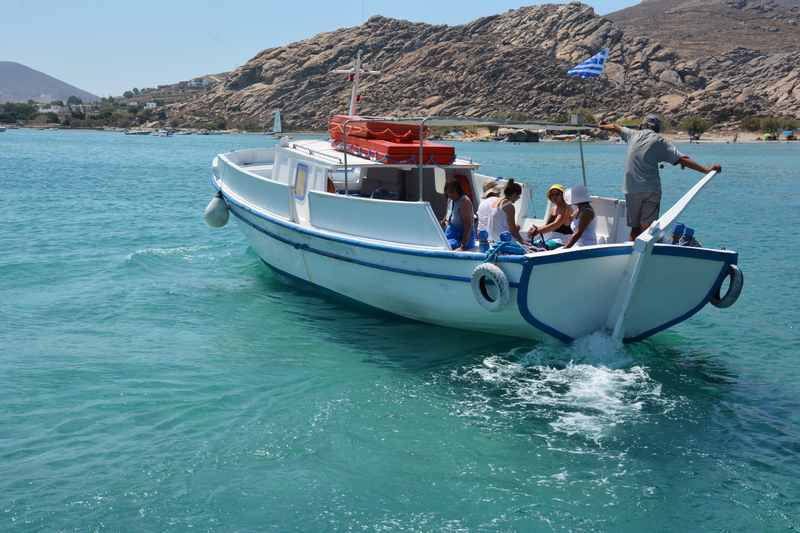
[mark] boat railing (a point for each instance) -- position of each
(316, 153)
(488, 122)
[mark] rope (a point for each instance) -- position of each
(503, 247)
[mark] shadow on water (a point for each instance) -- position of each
(382, 338)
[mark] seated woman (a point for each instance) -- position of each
(491, 190)
(503, 215)
(583, 220)
(559, 217)
(460, 228)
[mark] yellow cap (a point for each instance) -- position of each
(556, 187)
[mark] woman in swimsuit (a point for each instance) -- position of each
(559, 218)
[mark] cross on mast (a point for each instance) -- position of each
(355, 76)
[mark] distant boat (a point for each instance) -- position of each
(162, 133)
(2, 129)
(138, 132)
(277, 127)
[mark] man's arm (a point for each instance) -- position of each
(614, 128)
(686, 161)
(669, 153)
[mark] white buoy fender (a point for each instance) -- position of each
(736, 279)
(490, 287)
(216, 213)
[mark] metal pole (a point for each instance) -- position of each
(580, 147)
(356, 80)
(344, 138)
(421, 154)
(576, 119)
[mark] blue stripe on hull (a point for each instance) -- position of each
(325, 253)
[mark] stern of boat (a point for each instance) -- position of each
(677, 283)
(570, 294)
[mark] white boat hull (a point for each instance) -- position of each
(560, 295)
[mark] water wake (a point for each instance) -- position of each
(583, 390)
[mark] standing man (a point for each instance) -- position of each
(642, 187)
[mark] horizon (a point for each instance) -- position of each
(132, 35)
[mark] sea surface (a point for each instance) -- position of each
(156, 376)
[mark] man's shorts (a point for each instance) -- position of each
(643, 208)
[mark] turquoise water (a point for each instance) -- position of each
(155, 376)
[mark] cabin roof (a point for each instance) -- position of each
(324, 153)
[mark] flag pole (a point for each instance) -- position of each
(580, 147)
(591, 68)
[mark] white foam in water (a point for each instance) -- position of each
(186, 253)
(585, 389)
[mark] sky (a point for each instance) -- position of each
(107, 47)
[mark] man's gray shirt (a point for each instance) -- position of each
(646, 149)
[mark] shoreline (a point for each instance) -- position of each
(742, 137)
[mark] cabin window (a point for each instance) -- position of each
(300, 181)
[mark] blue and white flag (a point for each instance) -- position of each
(592, 67)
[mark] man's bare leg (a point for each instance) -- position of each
(635, 232)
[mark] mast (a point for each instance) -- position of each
(576, 119)
(354, 74)
(356, 79)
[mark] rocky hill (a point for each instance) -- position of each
(513, 64)
(701, 28)
(19, 83)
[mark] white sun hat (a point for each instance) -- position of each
(576, 195)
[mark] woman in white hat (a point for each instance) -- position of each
(583, 220)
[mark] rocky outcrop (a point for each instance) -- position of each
(509, 65)
(744, 81)
(703, 28)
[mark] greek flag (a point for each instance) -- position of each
(592, 67)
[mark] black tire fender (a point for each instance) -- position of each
(491, 273)
(736, 279)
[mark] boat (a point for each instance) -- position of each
(310, 210)
(162, 133)
(138, 132)
(277, 127)
(2, 129)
